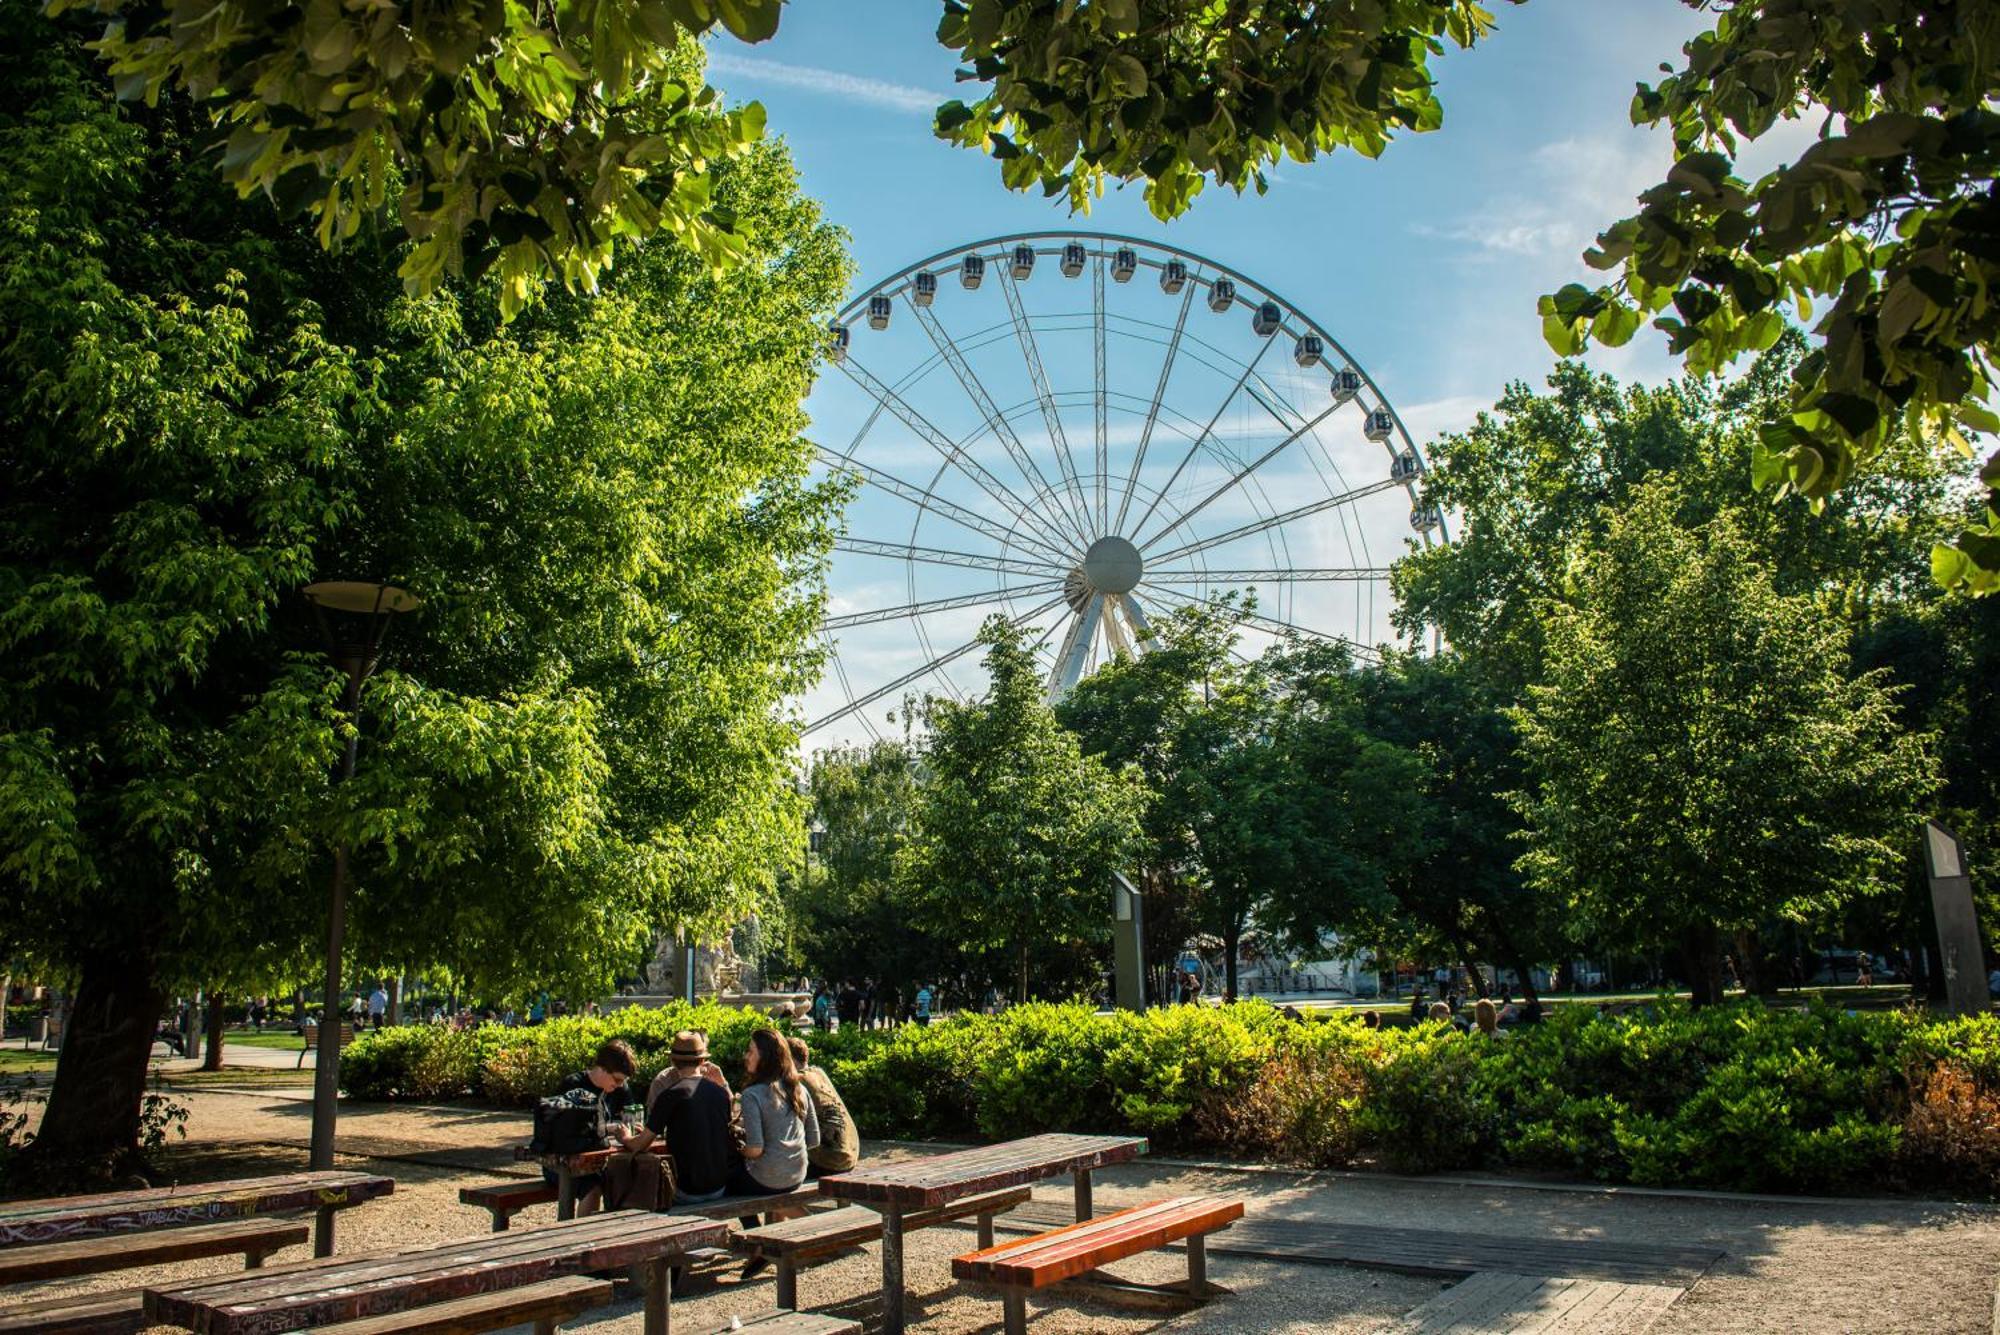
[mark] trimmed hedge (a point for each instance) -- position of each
(1736, 1097)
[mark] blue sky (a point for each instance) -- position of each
(1425, 265)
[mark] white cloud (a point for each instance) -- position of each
(1574, 187)
(830, 83)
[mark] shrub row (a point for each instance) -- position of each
(1735, 1097)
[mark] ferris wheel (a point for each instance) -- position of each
(1122, 429)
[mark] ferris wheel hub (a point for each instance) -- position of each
(1113, 565)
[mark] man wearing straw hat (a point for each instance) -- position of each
(689, 1105)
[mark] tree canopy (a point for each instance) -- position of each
(578, 739)
(1699, 754)
(537, 137)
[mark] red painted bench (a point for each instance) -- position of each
(1070, 1254)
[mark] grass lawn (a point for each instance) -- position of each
(13, 1061)
(274, 1036)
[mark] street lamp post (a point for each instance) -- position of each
(353, 617)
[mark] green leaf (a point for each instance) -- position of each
(750, 20)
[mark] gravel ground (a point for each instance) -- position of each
(1789, 1266)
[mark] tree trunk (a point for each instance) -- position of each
(93, 1109)
(395, 1017)
(1523, 971)
(212, 1059)
(1021, 974)
(1468, 958)
(1232, 934)
(1701, 953)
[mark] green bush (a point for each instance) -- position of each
(1420, 1102)
(1737, 1097)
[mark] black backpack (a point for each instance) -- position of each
(569, 1123)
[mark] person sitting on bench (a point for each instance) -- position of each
(692, 1113)
(609, 1075)
(839, 1147)
(779, 1127)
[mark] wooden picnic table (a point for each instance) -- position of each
(351, 1287)
(922, 1184)
(62, 1218)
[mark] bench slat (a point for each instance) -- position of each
(1049, 1258)
(553, 1300)
(733, 1207)
(123, 1251)
(112, 1312)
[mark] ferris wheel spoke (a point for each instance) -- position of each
(1237, 480)
(1003, 430)
(939, 556)
(1051, 417)
(1277, 520)
(1273, 624)
(1153, 411)
(981, 598)
(1101, 455)
(890, 688)
(945, 446)
(927, 500)
(1295, 575)
(1206, 432)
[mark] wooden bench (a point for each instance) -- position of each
(793, 1323)
(795, 1240)
(252, 1239)
(545, 1304)
(1070, 1254)
(112, 1312)
(309, 1032)
(507, 1199)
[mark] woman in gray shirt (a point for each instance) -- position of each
(779, 1122)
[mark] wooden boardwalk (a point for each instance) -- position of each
(1418, 1251)
(1493, 1302)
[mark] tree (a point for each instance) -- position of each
(1699, 756)
(1017, 832)
(1134, 711)
(580, 737)
(1887, 230)
(538, 136)
(1269, 806)
(855, 922)
(1455, 886)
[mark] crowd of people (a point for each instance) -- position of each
(785, 1125)
(869, 1003)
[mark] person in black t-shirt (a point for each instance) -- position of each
(609, 1076)
(692, 1110)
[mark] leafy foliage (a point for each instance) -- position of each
(1699, 755)
(1180, 92)
(1736, 1097)
(579, 738)
(1886, 229)
(1016, 831)
(534, 135)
